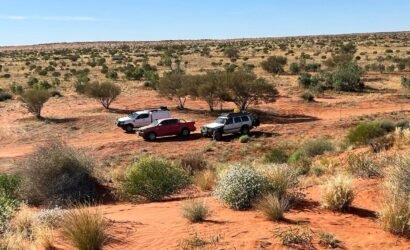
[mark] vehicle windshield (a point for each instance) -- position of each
(154, 123)
(133, 115)
(220, 120)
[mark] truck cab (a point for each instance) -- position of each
(142, 118)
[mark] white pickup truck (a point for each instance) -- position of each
(142, 118)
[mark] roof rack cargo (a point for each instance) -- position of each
(234, 114)
(161, 108)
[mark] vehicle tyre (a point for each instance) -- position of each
(129, 128)
(185, 132)
(245, 130)
(217, 136)
(151, 136)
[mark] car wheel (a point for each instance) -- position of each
(152, 136)
(185, 132)
(217, 136)
(245, 130)
(129, 128)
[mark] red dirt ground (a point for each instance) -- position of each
(82, 123)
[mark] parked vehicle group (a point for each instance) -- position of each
(153, 123)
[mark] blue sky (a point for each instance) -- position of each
(44, 21)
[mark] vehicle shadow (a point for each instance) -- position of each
(191, 137)
(253, 134)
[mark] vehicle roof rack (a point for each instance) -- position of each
(235, 114)
(161, 108)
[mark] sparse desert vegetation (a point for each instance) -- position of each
(329, 155)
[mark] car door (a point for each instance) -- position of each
(143, 120)
(174, 127)
(237, 124)
(167, 127)
(229, 125)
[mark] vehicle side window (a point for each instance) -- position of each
(173, 121)
(164, 123)
(245, 118)
(229, 121)
(238, 120)
(143, 116)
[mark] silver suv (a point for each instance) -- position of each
(230, 123)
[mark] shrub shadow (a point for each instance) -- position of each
(270, 117)
(59, 120)
(362, 212)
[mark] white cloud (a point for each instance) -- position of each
(51, 18)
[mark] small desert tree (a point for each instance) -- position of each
(347, 77)
(213, 89)
(246, 89)
(105, 92)
(34, 100)
(274, 64)
(231, 52)
(405, 83)
(345, 55)
(174, 85)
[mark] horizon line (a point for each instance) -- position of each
(200, 39)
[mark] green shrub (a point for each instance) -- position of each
(16, 88)
(307, 96)
(394, 214)
(105, 92)
(9, 185)
(276, 155)
(272, 206)
(403, 124)
(316, 147)
(397, 176)
(57, 173)
(363, 165)
(295, 156)
(405, 82)
(294, 68)
(84, 228)
(305, 80)
(347, 78)
(386, 125)
(239, 186)
(364, 133)
(154, 178)
(34, 100)
(337, 193)
(274, 64)
(302, 166)
(7, 208)
(195, 211)
(329, 240)
(295, 237)
(279, 178)
(244, 139)
(317, 170)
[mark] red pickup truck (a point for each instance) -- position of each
(164, 127)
